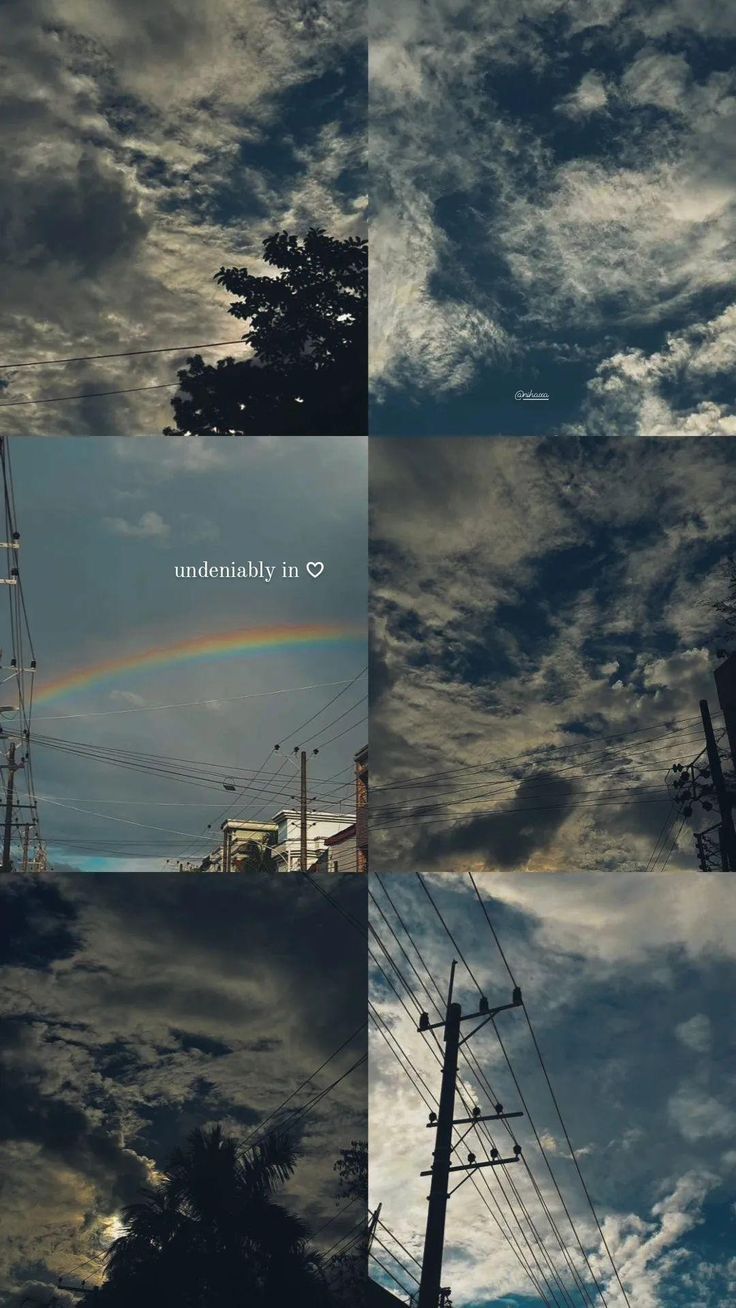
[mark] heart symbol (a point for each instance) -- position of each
(315, 569)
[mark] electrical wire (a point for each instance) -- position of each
(472, 1061)
(554, 1101)
(119, 354)
(90, 395)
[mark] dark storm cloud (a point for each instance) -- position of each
(509, 835)
(87, 217)
(36, 924)
(63, 1131)
(181, 1002)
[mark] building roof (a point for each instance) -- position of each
(243, 824)
(341, 836)
(314, 816)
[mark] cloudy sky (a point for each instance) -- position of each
(136, 1009)
(104, 523)
(142, 147)
(543, 632)
(555, 211)
(628, 989)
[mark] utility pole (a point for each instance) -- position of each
(8, 827)
(303, 814)
(431, 1291)
(26, 839)
(728, 832)
(372, 1226)
(696, 783)
(725, 679)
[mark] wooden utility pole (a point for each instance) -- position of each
(303, 814)
(8, 827)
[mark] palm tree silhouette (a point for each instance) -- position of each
(211, 1234)
(257, 857)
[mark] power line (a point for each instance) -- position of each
(91, 395)
(307, 1081)
(557, 1109)
(671, 728)
(390, 1274)
(408, 1252)
(507, 1233)
(391, 1254)
(119, 354)
(472, 1061)
(191, 703)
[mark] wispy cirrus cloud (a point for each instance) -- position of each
(556, 193)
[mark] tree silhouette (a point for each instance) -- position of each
(352, 1168)
(348, 1271)
(211, 1234)
(309, 334)
(257, 857)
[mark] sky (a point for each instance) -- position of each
(553, 212)
(135, 1010)
(628, 987)
(104, 523)
(543, 631)
(142, 148)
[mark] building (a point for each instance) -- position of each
(380, 1297)
(336, 842)
(340, 853)
(287, 849)
(238, 838)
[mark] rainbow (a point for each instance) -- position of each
(222, 645)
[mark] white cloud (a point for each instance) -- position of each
(590, 96)
(150, 526)
(696, 1033)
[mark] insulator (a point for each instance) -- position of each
(424, 1022)
(498, 1108)
(516, 997)
(432, 1117)
(494, 1153)
(517, 1150)
(277, 747)
(483, 1005)
(476, 1111)
(471, 1158)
